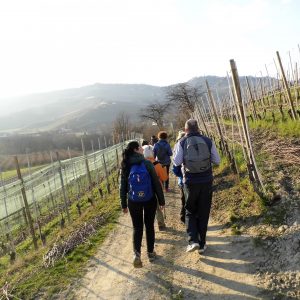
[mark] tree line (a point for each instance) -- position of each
(46, 141)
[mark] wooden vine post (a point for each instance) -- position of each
(251, 99)
(200, 117)
(252, 167)
(27, 209)
(106, 173)
(287, 89)
(88, 173)
(63, 187)
(213, 106)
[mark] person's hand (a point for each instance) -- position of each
(161, 207)
(125, 210)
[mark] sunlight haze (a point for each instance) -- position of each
(50, 45)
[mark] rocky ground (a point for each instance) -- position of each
(253, 253)
(277, 230)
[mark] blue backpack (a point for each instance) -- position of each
(140, 185)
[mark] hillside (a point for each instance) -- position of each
(87, 107)
(92, 105)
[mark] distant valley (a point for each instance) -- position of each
(88, 108)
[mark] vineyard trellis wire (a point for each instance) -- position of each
(49, 190)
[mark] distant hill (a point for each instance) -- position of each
(85, 108)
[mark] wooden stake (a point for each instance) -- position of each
(27, 209)
(88, 174)
(212, 101)
(287, 89)
(106, 174)
(251, 98)
(253, 170)
(117, 158)
(63, 187)
(200, 116)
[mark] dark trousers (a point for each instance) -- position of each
(182, 211)
(198, 203)
(143, 212)
(166, 183)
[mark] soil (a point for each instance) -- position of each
(225, 271)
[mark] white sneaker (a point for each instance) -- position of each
(192, 247)
(202, 249)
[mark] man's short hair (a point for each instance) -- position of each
(191, 125)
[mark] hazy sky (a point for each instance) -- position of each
(56, 44)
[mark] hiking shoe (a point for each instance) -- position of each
(192, 247)
(151, 256)
(202, 249)
(162, 227)
(137, 263)
(182, 219)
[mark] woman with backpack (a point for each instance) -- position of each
(140, 190)
(162, 153)
(162, 176)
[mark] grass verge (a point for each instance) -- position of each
(28, 278)
(235, 201)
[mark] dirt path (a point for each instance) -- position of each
(224, 272)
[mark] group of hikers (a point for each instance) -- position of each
(145, 175)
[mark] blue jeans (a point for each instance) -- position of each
(198, 199)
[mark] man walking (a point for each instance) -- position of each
(196, 153)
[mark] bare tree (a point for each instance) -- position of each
(184, 97)
(121, 126)
(155, 112)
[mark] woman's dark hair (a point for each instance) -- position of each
(162, 135)
(154, 140)
(128, 151)
(145, 143)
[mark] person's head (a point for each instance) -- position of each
(191, 126)
(148, 152)
(154, 140)
(180, 135)
(144, 142)
(131, 148)
(162, 135)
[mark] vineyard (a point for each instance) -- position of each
(257, 129)
(28, 203)
(244, 115)
(256, 126)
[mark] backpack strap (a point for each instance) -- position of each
(207, 142)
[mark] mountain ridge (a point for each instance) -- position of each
(88, 106)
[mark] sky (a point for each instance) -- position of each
(48, 45)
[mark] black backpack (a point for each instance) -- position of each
(162, 153)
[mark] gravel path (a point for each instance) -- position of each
(226, 271)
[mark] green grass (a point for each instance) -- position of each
(237, 201)
(276, 216)
(13, 173)
(283, 128)
(27, 274)
(287, 128)
(241, 206)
